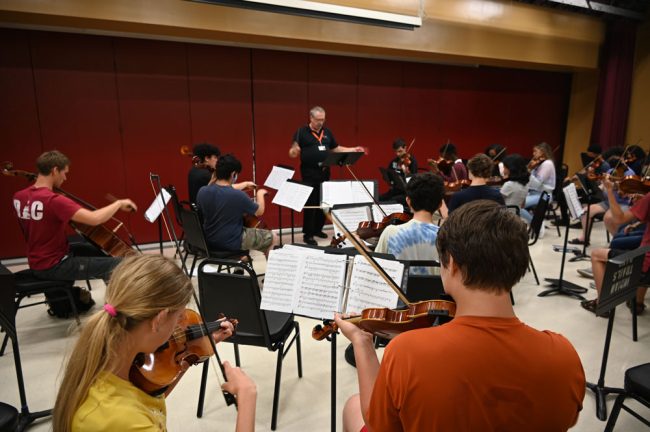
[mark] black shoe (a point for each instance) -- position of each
(591, 306)
(577, 241)
(349, 356)
(577, 225)
(640, 307)
(321, 235)
(309, 240)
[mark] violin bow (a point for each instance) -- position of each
(362, 250)
(498, 154)
(408, 149)
(367, 191)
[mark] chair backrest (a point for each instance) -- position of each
(7, 301)
(560, 175)
(193, 228)
(421, 287)
(235, 295)
(176, 204)
(538, 217)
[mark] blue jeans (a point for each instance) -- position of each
(532, 199)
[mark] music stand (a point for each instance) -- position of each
(393, 179)
(342, 159)
(590, 192)
(622, 275)
(560, 286)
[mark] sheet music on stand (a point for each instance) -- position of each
(316, 284)
(347, 191)
(156, 207)
(388, 208)
(350, 215)
(278, 176)
(573, 202)
(292, 194)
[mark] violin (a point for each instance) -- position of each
(388, 323)
(368, 229)
(634, 185)
(535, 162)
(441, 164)
(101, 236)
(158, 372)
(196, 161)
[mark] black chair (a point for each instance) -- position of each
(25, 285)
(536, 225)
(421, 287)
(637, 386)
(238, 296)
(177, 205)
(195, 240)
(9, 418)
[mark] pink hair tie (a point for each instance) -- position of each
(111, 310)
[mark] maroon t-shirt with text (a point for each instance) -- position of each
(43, 215)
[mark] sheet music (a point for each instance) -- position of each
(368, 289)
(359, 194)
(277, 177)
(280, 280)
(377, 216)
(350, 218)
(321, 286)
(346, 192)
(292, 195)
(156, 206)
(573, 202)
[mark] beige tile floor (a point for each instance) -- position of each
(305, 403)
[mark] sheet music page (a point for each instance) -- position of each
(377, 216)
(283, 270)
(156, 206)
(277, 176)
(303, 249)
(337, 192)
(359, 194)
(350, 218)
(320, 286)
(573, 202)
(368, 289)
(292, 195)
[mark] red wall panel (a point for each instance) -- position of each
(122, 108)
(155, 117)
(220, 102)
(19, 131)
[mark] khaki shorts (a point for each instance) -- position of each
(256, 239)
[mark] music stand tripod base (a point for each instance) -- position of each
(558, 286)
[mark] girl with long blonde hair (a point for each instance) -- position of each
(145, 299)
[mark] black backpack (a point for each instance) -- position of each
(60, 304)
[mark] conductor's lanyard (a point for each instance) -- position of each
(319, 137)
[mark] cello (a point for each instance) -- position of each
(104, 238)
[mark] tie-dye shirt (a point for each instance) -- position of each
(413, 240)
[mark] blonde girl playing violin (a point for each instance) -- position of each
(145, 299)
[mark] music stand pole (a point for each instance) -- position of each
(280, 224)
(333, 382)
(587, 229)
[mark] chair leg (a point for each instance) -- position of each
(532, 266)
(90, 287)
(193, 264)
(276, 391)
(73, 306)
(615, 411)
(512, 298)
(4, 345)
(298, 349)
(204, 378)
(237, 358)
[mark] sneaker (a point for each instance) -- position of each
(309, 240)
(586, 272)
(349, 356)
(591, 306)
(321, 235)
(592, 285)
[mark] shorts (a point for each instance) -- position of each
(645, 277)
(256, 239)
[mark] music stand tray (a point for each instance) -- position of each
(342, 159)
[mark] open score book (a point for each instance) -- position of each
(316, 284)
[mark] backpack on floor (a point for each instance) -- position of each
(60, 304)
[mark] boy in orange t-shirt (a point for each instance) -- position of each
(485, 370)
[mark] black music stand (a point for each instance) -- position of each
(342, 159)
(393, 179)
(560, 286)
(590, 191)
(622, 275)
